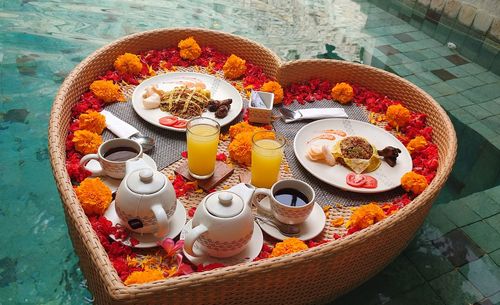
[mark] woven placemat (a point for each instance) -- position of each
(325, 193)
(169, 144)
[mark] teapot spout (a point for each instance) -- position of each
(135, 164)
(244, 190)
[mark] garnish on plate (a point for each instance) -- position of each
(361, 181)
(390, 154)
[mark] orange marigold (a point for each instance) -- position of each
(338, 222)
(365, 215)
(288, 246)
(86, 142)
(107, 91)
(189, 49)
(273, 87)
(92, 121)
(342, 93)
(416, 144)
(397, 115)
(240, 127)
(413, 182)
(240, 148)
(94, 196)
(146, 276)
(234, 67)
(128, 63)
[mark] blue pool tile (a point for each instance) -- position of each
(428, 260)
(483, 235)
(483, 274)
(444, 88)
(483, 204)
(464, 116)
(478, 112)
(494, 222)
(455, 289)
(483, 93)
(493, 107)
(458, 212)
(459, 248)
(420, 295)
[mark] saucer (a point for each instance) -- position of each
(251, 251)
(113, 183)
(310, 228)
(149, 240)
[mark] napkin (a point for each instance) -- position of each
(117, 126)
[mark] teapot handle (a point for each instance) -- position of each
(162, 220)
(191, 237)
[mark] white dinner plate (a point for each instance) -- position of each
(219, 90)
(387, 177)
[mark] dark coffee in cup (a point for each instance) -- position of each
(120, 154)
(291, 197)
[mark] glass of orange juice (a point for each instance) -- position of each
(202, 141)
(267, 153)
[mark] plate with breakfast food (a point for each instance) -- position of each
(170, 100)
(352, 155)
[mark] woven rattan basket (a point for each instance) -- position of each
(313, 276)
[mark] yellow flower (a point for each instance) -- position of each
(338, 222)
(107, 91)
(342, 93)
(288, 246)
(413, 182)
(416, 144)
(92, 121)
(365, 215)
(94, 196)
(189, 49)
(274, 87)
(128, 63)
(146, 276)
(397, 115)
(234, 67)
(86, 142)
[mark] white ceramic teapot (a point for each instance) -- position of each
(145, 200)
(222, 224)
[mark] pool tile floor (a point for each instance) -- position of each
(453, 259)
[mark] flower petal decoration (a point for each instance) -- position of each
(234, 67)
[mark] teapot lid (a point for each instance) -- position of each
(145, 181)
(224, 204)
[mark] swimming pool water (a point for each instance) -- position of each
(41, 41)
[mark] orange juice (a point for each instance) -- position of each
(202, 142)
(266, 161)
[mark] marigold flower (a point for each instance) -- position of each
(107, 91)
(189, 49)
(397, 115)
(342, 93)
(274, 87)
(146, 276)
(365, 216)
(234, 67)
(416, 144)
(94, 196)
(240, 148)
(242, 126)
(338, 222)
(288, 246)
(128, 63)
(86, 142)
(413, 182)
(92, 121)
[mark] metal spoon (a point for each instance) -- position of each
(285, 229)
(146, 142)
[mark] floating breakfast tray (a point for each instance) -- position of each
(316, 275)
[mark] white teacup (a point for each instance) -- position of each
(285, 201)
(112, 156)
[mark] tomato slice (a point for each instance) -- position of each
(168, 120)
(370, 182)
(180, 124)
(355, 180)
